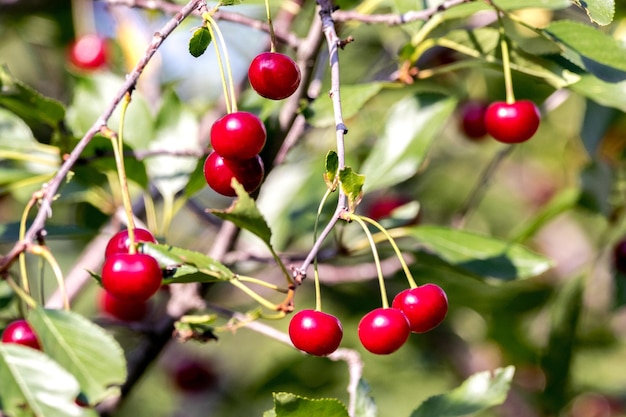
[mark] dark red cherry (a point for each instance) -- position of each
(219, 173)
(20, 333)
(131, 276)
(425, 306)
(240, 135)
(315, 332)
(384, 330)
(274, 75)
(122, 308)
(512, 123)
(472, 119)
(120, 242)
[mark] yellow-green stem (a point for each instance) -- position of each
(56, 269)
(229, 72)
(271, 26)
(396, 249)
(379, 271)
(316, 277)
(506, 63)
(30, 302)
(256, 297)
(208, 19)
(118, 151)
(22, 257)
(261, 283)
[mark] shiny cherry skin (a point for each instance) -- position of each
(219, 173)
(619, 256)
(512, 123)
(121, 308)
(384, 206)
(425, 306)
(120, 242)
(384, 330)
(89, 52)
(134, 276)
(472, 119)
(239, 135)
(315, 332)
(20, 333)
(274, 75)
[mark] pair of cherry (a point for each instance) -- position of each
(238, 137)
(381, 331)
(505, 122)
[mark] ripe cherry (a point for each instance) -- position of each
(619, 256)
(121, 308)
(384, 330)
(120, 242)
(472, 120)
(20, 332)
(315, 332)
(240, 135)
(274, 75)
(425, 306)
(88, 52)
(192, 375)
(131, 276)
(512, 123)
(219, 173)
(384, 206)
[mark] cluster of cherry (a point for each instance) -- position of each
(381, 331)
(238, 137)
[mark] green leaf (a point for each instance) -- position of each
(352, 186)
(35, 385)
(332, 165)
(527, 4)
(591, 49)
(365, 405)
(176, 130)
(481, 255)
(602, 92)
(27, 103)
(291, 405)
(200, 40)
(412, 126)
(479, 392)
(83, 349)
(196, 182)
(353, 98)
(183, 262)
(599, 11)
(245, 214)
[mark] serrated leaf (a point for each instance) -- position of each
(184, 262)
(332, 165)
(479, 392)
(35, 385)
(200, 40)
(245, 214)
(352, 186)
(353, 98)
(27, 103)
(591, 49)
(365, 405)
(602, 92)
(84, 349)
(291, 405)
(528, 4)
(599, 11)
(482, 255)
(412, 125)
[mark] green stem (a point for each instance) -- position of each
(118, 147)
(316, 277)
(379, 271)
(506, 62)
(56, 269)
(262, 283)
(30, 302)
(271, 26)
(396, 249)
(256, 297)
(215, 30)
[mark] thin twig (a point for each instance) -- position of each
(394, 19)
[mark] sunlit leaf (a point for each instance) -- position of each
(83, 349)
(291, 405)
(200, 40)
(332, 165)
(35, 385)
(599, 11)
(352, 186)
(353, 98)
(479, 392)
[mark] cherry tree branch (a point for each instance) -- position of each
(50, 189)
(394, 19)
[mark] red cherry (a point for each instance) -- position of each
(315, 332)
(131, 276)
(512, 123)
(121, 308)
(240, 135)
(120, 242)
(473, 119)
(194, 376)
(384, 330)
(619, 256)
(384, 206)
(219, 173)
(274, 75)
(88, 52)
(20, 332)
(424, 306)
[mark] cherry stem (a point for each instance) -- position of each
(44, 252)
(379, 271)
(256, 297)
(316, 278)
(271, 27)
(30, 302)
(117, 140)
(216, 33)
(261, 283)
(22, 257)
(506, 62)
(396, 249)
